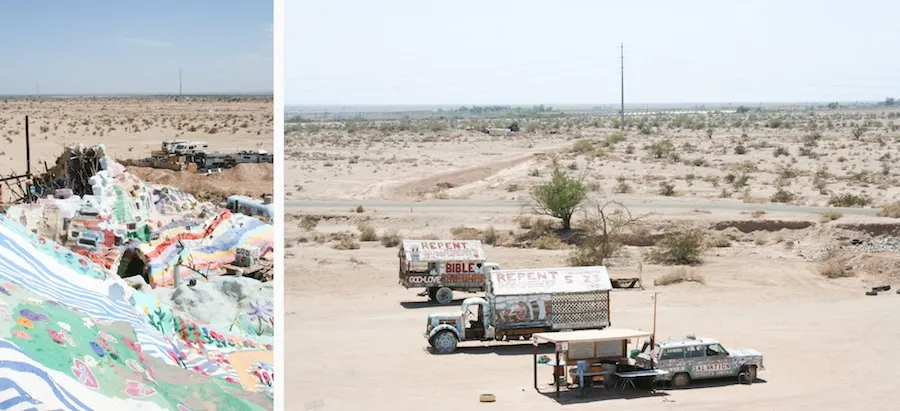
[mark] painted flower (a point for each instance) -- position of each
(90, 361)
(3, 290)
(98, 349)
(11, 287)
(64, 326)
(106, 337)
(24, 322)
(261, 311)
(102, 342)
(57, 337)
(88, 322)
(22, 334)
(146, 310)
(129, 344)
(31, 315)
(68, 338)
(157, 304)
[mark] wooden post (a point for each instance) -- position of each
(556, 369)
(653, 335)
(535, 345)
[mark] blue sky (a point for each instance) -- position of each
(113, 47)
(532, 51)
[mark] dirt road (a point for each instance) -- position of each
(646, 204)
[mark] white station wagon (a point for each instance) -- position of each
(695, 358)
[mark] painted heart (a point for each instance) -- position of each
(84, 375)
(138, 390)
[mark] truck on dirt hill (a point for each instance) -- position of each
(522, 302)
(443, 266)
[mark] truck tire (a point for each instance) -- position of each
(681, 380)
(432, 292)
(443, 296)
(872, 292)
(444, 342)
(752, 371)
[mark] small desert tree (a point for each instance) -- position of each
(604, 234)
(561, 197)
(681, 244)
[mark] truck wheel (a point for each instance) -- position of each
(443, 296)
(681, 380)
(444, 342)
(432, 292)
(526, 337)
(752, 373)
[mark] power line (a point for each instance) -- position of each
(622, 67)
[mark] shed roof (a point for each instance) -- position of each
(606, 334)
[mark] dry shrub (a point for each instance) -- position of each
(755, 200)
(681, 244)
(548, 242)
(757, 213)
(525, 222)
(465, 233)
(833, 269)
(367, 232)
(309, 223)
(719, 240)
(390, 238)
(891, 210)
(490, 236)
(830, 215)
(760, 238)
(679, 275)
(346, 243)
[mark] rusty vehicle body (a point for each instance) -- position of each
(443, 266)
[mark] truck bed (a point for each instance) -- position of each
(552, 311)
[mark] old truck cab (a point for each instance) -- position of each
(695, 358)
(472, 322)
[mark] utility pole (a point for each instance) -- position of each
(622, 67)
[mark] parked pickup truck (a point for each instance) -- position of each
(522, 302)
(695, 358)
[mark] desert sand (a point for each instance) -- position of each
(131, 127)
(779, 276)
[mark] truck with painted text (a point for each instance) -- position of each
(522, 302)
(693, 358)
(441, 267)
